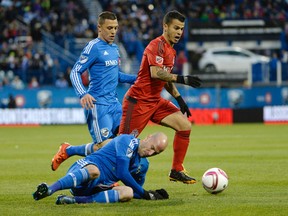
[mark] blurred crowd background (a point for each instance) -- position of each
(41, 39)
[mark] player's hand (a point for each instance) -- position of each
(183, 106)
(156, 195)
(87, 101)
(190, 80)
(163, 193)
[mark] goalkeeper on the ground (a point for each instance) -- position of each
(93, 178)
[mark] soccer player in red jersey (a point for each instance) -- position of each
(143, 101)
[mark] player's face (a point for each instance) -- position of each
(173, 31)
(107, 31)
(149, 147)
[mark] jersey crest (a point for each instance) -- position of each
(83, 59)
(105, 132)
(159, 60)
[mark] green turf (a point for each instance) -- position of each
(254, 156)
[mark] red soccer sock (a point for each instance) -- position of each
(180, 146)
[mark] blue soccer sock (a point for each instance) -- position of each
(82, 150)
(70, 180)
(108, 196)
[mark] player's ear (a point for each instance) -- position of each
(147, 137)
(165, 27)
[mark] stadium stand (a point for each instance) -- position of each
(37, 33)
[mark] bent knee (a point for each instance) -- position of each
(185, 125)
(125, 193)
(93, 171)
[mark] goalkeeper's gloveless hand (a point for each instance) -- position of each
(190, 80)
(183, 106)
(156, 195)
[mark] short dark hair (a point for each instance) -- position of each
(173, 15)
(106, 15)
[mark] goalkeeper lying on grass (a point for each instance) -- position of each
(92, 179)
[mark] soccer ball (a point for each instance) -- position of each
(215, 180)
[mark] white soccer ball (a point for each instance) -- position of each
(215, 180)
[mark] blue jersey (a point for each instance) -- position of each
(102, 60)
(116, 161)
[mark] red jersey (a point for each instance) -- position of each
(157, 53)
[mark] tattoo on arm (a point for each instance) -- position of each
(165, 76)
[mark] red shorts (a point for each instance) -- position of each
(136, 114)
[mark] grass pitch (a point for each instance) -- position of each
(255, 157)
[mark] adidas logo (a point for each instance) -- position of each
(106, 53)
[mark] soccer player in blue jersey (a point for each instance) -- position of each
(90, 178)
(102, 109)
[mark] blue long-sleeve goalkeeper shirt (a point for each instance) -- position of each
(115, 161)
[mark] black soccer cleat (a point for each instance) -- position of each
(181, 176)
(63, 199)
(41, 192)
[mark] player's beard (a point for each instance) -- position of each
(171, 38)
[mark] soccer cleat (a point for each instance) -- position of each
(63, 199)
(41, 192)
(181, 176)
(60, 156)
(116, 184)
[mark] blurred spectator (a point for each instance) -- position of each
(284, 61)
(33, 83)
(11, 102)
(2, 76)
(139, 22)
(61, 82)
(284, 56)
(273, 67)
(17, 83)
(2, 105)
(67, 75)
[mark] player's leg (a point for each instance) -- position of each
(109, 121)
(116, 115)
(75, 176)
(117, 194)
(169, 115)
(100, 128)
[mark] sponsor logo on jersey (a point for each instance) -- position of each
(133, 143)
(83, 59)
(106, 53)
(166, 68)
(129, 152)
(111, 63)
(105, 132)
(159, 60)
